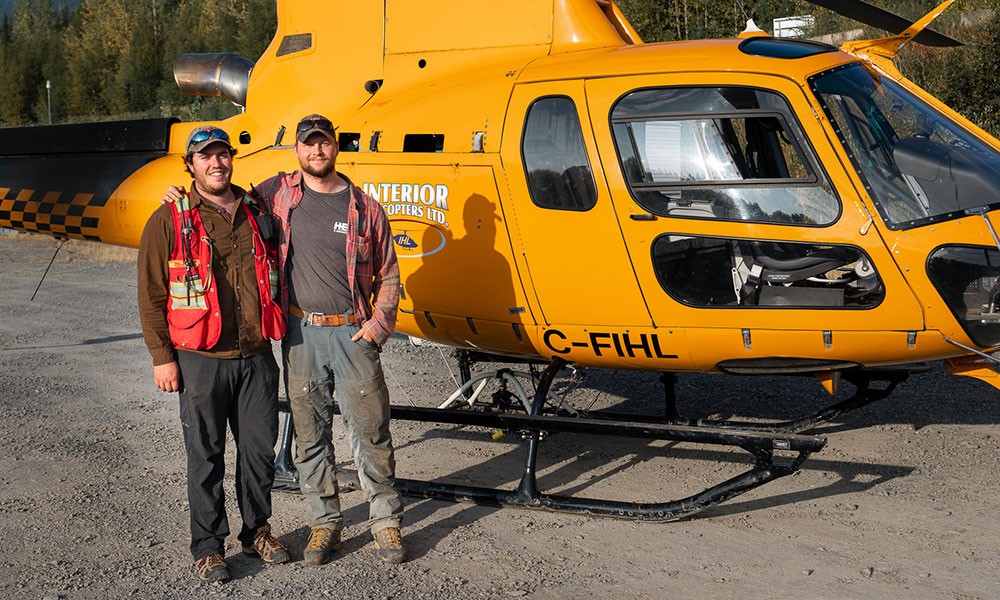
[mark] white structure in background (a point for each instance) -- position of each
(804, 25)
(794, 27)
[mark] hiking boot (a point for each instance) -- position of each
(323, 542)
(389, 545)
(267, 547)
(212, 568)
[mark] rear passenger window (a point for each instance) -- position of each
(555, 158)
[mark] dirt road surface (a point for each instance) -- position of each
(902, 502)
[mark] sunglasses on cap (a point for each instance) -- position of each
(321, 124)
(209, 134)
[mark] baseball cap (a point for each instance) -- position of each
(204, 136)
(311, 124)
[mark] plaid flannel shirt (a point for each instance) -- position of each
(372, 270)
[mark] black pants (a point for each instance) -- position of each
(244, 393)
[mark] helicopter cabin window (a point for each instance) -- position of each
(723, 272)
(423, 142)
(555, 158)
(349, 141)
(728, 153)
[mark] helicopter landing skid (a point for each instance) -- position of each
(761, 445)
(527, 495)
(760, 439)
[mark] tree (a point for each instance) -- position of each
(967, 78)
(100, 37)
(31, 55)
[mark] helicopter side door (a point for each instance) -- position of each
(563, 225)
(743, 227)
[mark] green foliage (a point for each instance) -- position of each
(668, 20)
(115, 57)
(967, 78)
(30, 55)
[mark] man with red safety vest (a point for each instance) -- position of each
(209, 304)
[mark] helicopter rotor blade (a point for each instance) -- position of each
(883, 19)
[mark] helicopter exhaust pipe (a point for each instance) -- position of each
(222, 74)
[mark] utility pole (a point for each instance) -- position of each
(48, 93)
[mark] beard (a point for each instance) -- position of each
(319, 172)
(209, 185)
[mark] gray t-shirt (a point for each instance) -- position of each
(317, 255)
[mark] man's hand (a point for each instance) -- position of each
(363, 333)
(173, 194)
(167, 377)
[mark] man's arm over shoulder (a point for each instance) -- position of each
(153, 275)
(266, 190)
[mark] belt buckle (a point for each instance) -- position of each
(316, 318)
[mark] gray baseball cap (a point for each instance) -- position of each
(204, 136)
(311, 124)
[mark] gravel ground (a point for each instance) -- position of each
(901, 502)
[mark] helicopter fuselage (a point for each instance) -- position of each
(751, 205)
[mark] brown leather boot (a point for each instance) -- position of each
(268, 548)
(389, 545)
(323, 542)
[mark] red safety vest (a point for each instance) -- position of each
(193, 317)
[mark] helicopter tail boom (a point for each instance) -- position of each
(58, 179)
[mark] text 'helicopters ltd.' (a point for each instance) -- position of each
(561, 192)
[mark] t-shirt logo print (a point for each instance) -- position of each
(340, 228)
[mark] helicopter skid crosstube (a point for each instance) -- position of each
(762, 445)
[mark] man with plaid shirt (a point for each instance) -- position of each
(340, 288)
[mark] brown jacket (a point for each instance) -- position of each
(235, 275)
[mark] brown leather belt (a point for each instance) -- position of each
(321, 319)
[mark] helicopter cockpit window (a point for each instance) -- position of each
(719, 153)
(555, 158)
(917, 164)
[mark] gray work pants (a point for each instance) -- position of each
(317, 361)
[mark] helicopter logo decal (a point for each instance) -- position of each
(417, 239)
(418, 200)
(405, 241)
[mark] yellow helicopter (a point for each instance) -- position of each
(561, 192)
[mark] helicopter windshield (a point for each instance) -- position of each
(917, 165)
